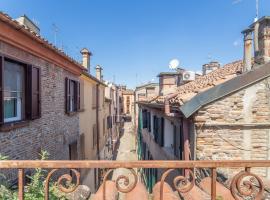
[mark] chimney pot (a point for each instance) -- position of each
(86, 54)
(247, 49)
(261, 40)
(209, 67)
(99, 72)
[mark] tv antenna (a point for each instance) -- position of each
(257, 10)
(174, 63)
(55, 32)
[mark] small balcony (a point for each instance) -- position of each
(244, 183)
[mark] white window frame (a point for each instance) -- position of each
(18, 106)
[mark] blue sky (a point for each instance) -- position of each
(134, 40)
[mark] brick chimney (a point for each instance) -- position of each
(99, 72)
(209, 67)
(261, 30)
(86, 54)
(247, 49)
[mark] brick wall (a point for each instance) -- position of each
(55, 130)
(242, 131)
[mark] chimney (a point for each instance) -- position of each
(24, 20)
(99, 72)
(247, 49)
(209, 67)
(86, 58)
(262, 40)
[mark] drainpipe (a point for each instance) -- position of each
(167, 105)
(110, 130)
(247, 49)
(97, 119)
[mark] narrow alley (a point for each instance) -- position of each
(126, 152)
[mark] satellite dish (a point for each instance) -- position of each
(174, 64)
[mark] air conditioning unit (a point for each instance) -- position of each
(188, 76)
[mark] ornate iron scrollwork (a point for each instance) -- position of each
(247, 184)
(182, 184)
(129, 186)
(61, 179)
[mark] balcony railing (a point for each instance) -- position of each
(244, 184)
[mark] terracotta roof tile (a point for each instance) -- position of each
(189, 90)
(7, 19)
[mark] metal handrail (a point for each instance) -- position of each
(162, 164)
(241, 187)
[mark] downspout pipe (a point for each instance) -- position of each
(167, 105)
(97, 119)
(247, 49)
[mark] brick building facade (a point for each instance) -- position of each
(55, 127)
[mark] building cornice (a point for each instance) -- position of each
(18, 36)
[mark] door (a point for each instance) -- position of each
(73, 153)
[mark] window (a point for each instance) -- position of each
(128, 104)
(144, 116)
(149, 121)
(14, 92)
(109, 122)
(159, 130)
(72, 95)
(20, 97)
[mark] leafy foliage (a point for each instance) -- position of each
(33, 190)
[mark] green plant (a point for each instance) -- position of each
(33, 190)
(219, 198)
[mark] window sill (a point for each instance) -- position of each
(81, 110)
(13, 125)
(72, 113)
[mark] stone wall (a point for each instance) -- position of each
(55, 130)
(236, 126)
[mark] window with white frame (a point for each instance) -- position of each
(14, 91)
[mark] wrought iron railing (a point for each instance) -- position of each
(244, 184)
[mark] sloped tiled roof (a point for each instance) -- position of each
(128, 91)
(15, 24)
(189, 90)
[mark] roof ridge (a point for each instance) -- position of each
(37, 36)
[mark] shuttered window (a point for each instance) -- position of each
(144, 115)
(72, 95)
(20, 91)
(149, 121)
(1, 92)
(82, 144)
(159, 130)
(35, 92)
(109, 122)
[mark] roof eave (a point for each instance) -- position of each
(224, 89)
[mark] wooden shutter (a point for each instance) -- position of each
(155, 129)
(149, 121)
(82, 143)
(1, 91)
(67, 95)
(35, 93)
(78, 96)
(162, 132)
